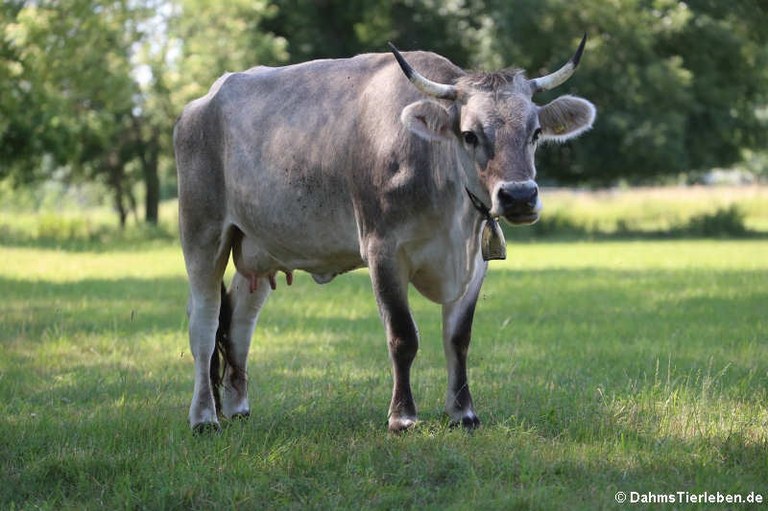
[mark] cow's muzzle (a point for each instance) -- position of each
(518, 202)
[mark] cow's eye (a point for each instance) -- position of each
(536, 135)
(469, 138)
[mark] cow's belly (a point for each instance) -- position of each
(272, 242)
(292, 216)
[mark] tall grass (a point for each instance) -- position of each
(691, 211)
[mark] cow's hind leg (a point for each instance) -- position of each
(457, 333)
(245, 305)
(203, 319)
(390, 288)
(206, 251)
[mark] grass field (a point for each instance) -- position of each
(597, 367)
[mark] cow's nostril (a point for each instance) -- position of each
(533, 198)
(518, 196)
(506, 197)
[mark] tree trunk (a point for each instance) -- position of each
(122, 213)
(115, 172)
(149, 158)
(152, 184)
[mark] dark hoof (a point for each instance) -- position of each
(467, 423)
(240, 417)
(206, 429)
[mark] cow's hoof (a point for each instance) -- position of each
(468, 423)
(206, 429)
(240, 416)
(401, 424)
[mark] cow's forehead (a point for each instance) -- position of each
(500, 108)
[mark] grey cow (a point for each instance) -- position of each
(333, 165)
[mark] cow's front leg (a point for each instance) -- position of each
(457, 333)
(391, 290)
(246, 301)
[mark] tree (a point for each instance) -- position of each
(74, 92)
(337, 28)
(677, 84)
(94, 86)
(725, 45)
(16, 128)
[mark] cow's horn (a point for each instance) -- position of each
(552, 80)
(438, 90)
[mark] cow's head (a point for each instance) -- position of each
(497, 127)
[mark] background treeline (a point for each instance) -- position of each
(90, 89)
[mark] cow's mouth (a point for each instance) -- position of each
(522, 219)
(517, 202)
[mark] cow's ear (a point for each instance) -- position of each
(427, 119)
(566, 117)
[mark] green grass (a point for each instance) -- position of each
(596, 367)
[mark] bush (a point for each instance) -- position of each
(724, 222)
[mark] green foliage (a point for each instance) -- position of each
(217, 37)
(75, 71)
(596, 367)
(337, 28)
(677, 84)
(75, 74)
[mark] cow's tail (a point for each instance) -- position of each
(219, 359)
